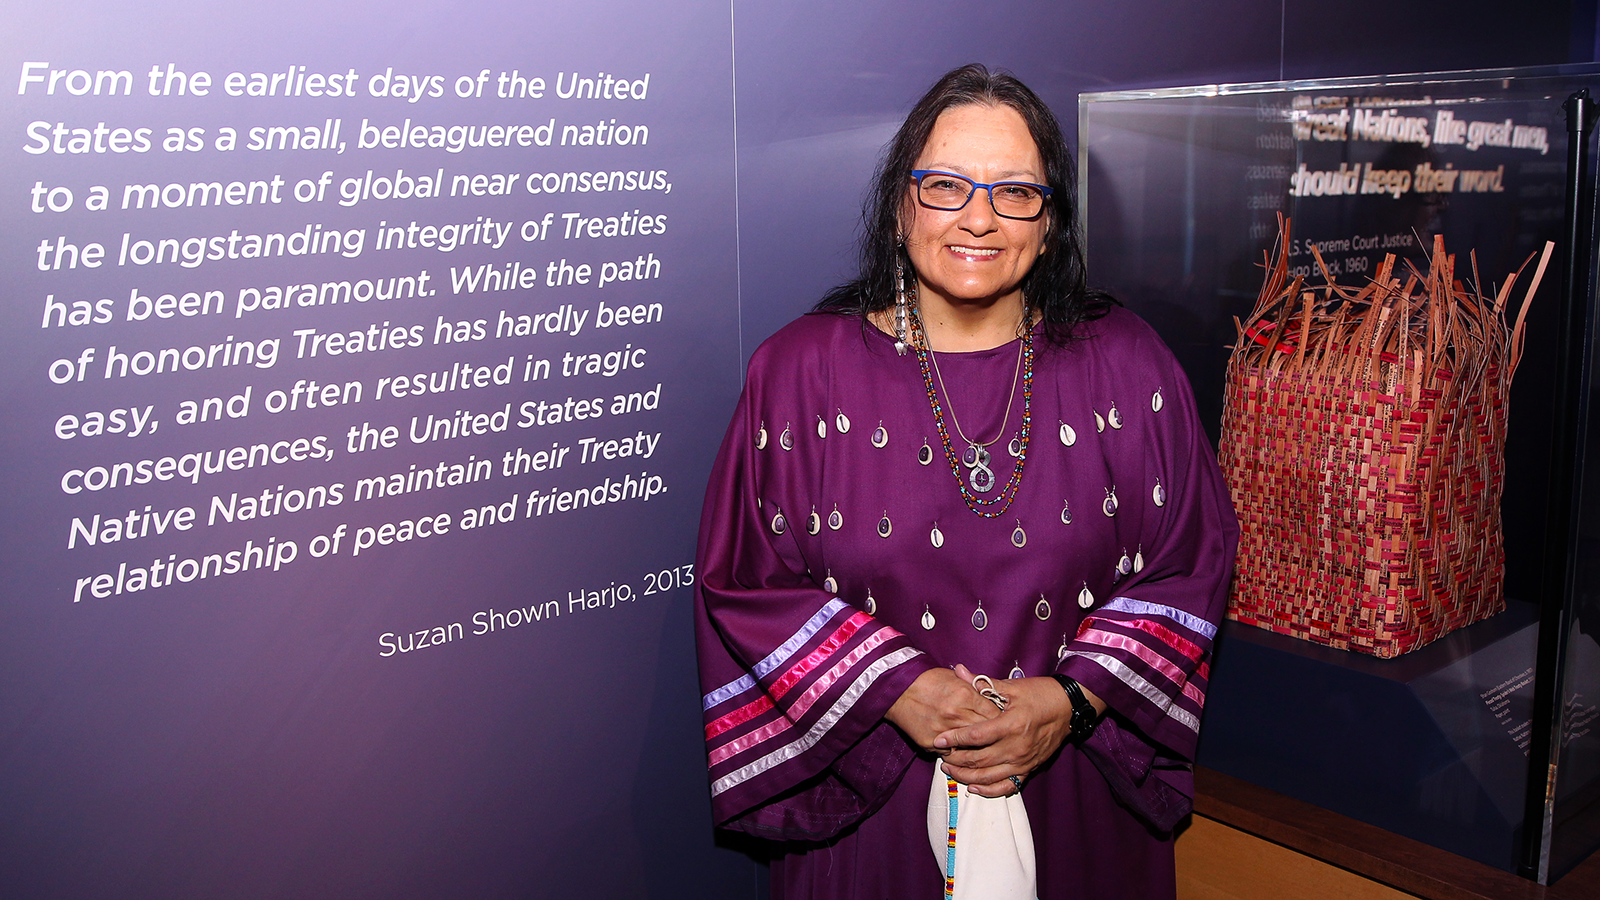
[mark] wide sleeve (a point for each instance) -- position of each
(795, 680)
(1146, 651)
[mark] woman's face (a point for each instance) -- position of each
(972, 256)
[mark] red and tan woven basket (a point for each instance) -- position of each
(1362, 439)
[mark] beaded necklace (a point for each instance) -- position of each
(992, 507)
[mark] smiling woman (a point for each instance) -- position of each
(855, 580)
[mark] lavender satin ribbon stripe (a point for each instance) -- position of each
(1142, 608)
(777, 657)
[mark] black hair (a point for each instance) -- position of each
(1055, 286)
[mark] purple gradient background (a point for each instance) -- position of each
(241, 737)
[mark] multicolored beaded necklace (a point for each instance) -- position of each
(996, 506)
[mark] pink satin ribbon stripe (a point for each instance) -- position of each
(1174, 640)
(790, 678)
(804, 702)
(1144, 654)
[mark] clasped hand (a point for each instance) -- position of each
(982, 746)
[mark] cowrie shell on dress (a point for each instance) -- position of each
(1066, 513)
(936, 537)
(842, 422)
(822, 427)
(835, 519)
(880, 436)
(1159, 494)
(927, 619)
(885, 527)
(1114, 417)
(1109, 505)
(1016, 672)
(1068, 436)
(779, 524)
(872, 604)
(1138, 560)
(786, 439)
(1156, 402)
(1019, 538)
(1085, 597)
(1041, 610)
(761, 437)
(1061, 652)
(925, 455)
(1099, 422)
(813, 522)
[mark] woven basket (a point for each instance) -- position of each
(1362, 438)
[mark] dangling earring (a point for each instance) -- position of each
(900, 306)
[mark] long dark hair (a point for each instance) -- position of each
(1055, 286)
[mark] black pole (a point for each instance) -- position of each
(1557, 574)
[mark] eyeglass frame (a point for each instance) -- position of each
(917, 176)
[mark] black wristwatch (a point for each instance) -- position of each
(1084, 718)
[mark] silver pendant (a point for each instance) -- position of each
(1085, 597)
(835, 520)
(1114, 417)
(1016, 672)
(1066, 513)
(1156, 402)
(925, 455)
(980, 619)
(831, 585)
(1041, 610)
(936, 537)
(981, 478)
(1109, 505)
(779, 524)
(822, 427)
(885, 527)
(1061, 652)
(786, 439)
(1138, 560)
(1019, 538)
(880, 436)
(1099, 421)
(1068, 436)
(813, 522)
(927, 618)
(872, 603)
(1015, 448)
(1159, 494)
(761, 437)
(1125, 564)
(842, 422)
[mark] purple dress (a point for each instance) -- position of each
(839, 560)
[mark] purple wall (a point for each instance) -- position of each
(243, 734)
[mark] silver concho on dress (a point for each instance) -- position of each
(813, 522)
(880, 436)
(1016, 671)
(1066, 513)
(872, 603)
(1015, 448)
(842, 422)
(761, 437)
(831, 585)
(980, 619)
(925, 454)
(1041, 610)
(885, 527)
(1125, 564)
(1109, 505)
(1158, 494)
(1019, 538)
(1068, 436)
(786, 439)
(779, 524)
(1114, 417)
(835, 518)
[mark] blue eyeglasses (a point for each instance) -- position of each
(1009, 199)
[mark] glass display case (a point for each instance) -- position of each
(1183, 190)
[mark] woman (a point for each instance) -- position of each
(962, 458)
